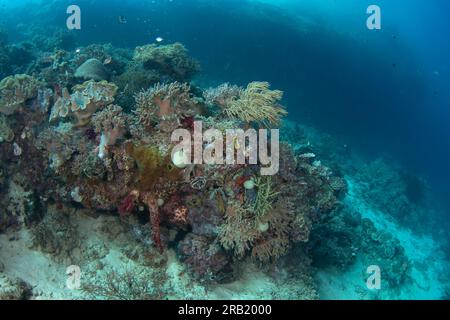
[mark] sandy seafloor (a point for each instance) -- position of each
(105, 246)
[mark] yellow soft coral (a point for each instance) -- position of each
(153, 166)
(257, 103)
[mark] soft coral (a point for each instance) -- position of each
(128, 203)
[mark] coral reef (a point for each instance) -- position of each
(257, 103)
(84, 101)
(111, 123)
(15, 91)
(205, 258)
(128, 284)
(172, 60)
(14, 289)
(92, 69)
(6, 134)
(163, 107)
(93, 153)
(266, 221)
(342, 236)
(399, 194)
(55, 234)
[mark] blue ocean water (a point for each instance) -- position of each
(379, 92)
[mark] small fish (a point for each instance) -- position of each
(122, 19)
(107, 60)
(159, 39)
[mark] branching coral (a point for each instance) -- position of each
(274, 240)
(15, 91)
(125, 284)
(267, 238)
(271, 214)
(257, 104)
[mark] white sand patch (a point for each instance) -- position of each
(253, 285)
(47, 277)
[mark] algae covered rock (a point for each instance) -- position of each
(92, 69)
(6, 134)
(56, 234)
